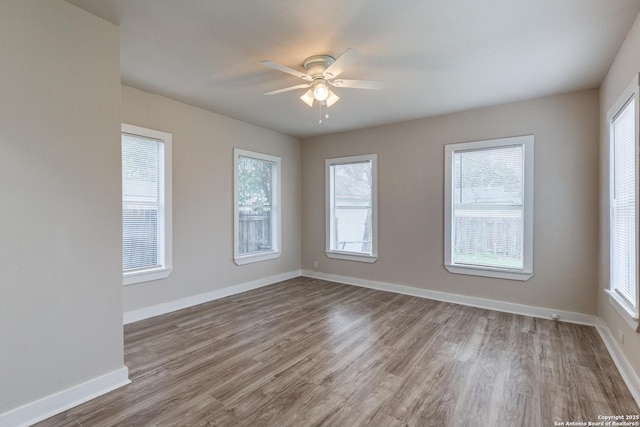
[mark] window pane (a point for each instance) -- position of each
(255, 194)
(352, 229)
(353, 184)
(256, 179)
(140, 237)
(488, 225)
(490, 176)
(352, 220)
(140, 168)
(141, 185)
(491, 238)
(255, 229)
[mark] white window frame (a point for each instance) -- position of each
(242, 259)
(165, 214)
(628, 312)
(344, 255)
(527, 141)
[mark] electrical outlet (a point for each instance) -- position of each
(315, 264)
(621, 336)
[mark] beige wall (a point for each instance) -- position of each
(203, 145)
(410, 193)
(60, 304)
(624, 68)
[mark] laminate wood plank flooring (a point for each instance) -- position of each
(307, 352)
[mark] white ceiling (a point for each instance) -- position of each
(435, 56)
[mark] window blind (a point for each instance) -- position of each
(623, 131)
(142, 182)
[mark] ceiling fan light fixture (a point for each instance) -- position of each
(332, 98)
(308, 98)
(321, 91)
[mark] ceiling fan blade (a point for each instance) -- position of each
(349, 57)
(358, 84)
(287, 89)
(287, 70)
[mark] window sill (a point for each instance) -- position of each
(351, 256)
(624, 310)
(147, 275)
(249, 259)
(489, 272)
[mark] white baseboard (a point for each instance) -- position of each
(508, 307)
(53, 404)
(157, 310)
(626, 371)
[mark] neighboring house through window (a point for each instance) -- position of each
(489, 208)
(352, 217)
(623, 203)
(146, 204)
(256, 207)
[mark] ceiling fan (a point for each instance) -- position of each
(321, 72)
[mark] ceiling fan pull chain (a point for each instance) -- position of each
(326, 110)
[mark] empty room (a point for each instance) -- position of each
(278, 213)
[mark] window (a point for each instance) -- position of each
(623, 181)
(257, 207)
(146, 204)
(489, 208)
(352, 208)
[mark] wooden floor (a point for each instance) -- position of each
(306, 352)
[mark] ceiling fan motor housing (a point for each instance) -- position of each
(315, 65)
